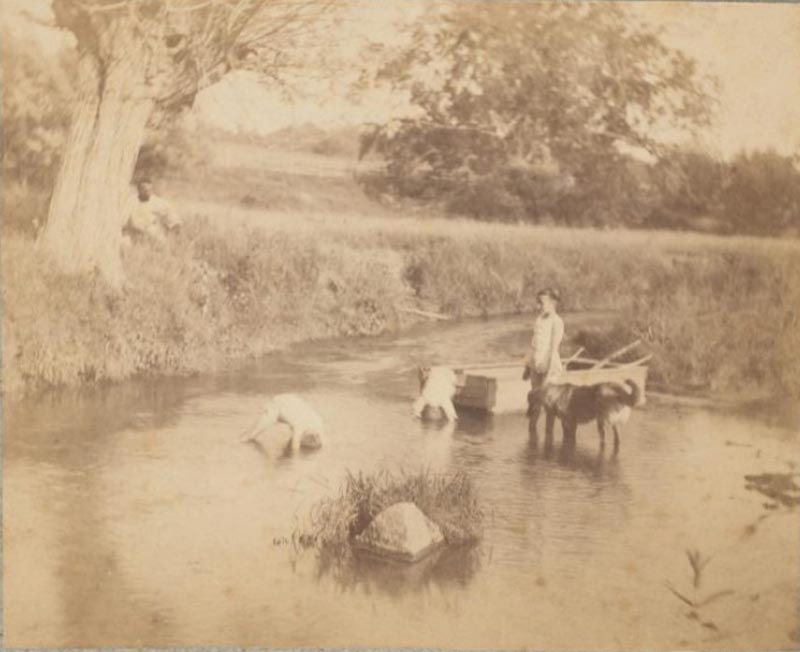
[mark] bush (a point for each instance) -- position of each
(726, 323)
(212, 295)
(763, 194)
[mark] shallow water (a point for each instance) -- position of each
(134, 517)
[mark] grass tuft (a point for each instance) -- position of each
(448, 500)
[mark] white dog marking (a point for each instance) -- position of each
(438, 388)
(305, 423)
(619, 416)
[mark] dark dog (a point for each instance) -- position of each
(609, 404)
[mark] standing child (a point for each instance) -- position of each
(543, 362)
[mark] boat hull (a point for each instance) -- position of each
(502, 390)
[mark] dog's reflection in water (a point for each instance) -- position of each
(568, 455)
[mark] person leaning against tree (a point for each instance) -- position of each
(148, 215)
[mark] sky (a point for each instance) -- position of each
(752, 48)
(754, 51)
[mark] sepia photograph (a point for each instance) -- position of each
(400, 325)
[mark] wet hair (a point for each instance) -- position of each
(554, 294)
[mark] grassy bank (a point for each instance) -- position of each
(721, 314)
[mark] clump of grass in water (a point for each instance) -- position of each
(448, 500)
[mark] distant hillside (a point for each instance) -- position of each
(300, 168)
(309, 138)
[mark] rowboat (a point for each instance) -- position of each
(499, 387)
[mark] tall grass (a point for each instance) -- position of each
(720, 314)
(213, 295)
(448, 500)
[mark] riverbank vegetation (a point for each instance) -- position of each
(720, 314)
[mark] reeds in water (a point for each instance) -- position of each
(449, 500)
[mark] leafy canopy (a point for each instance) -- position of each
(531, 102)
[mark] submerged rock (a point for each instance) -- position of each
(401, 532)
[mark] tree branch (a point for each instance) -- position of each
(101, 8)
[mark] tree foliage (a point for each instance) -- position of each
(191, 45)
(689, 186)
(756, 193)
(36, 89)
(763, 194)
(37, 95)
(534, 106)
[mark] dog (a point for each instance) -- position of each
(291, 409)
(609, 404)
(438, 386)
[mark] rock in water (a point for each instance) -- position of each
(400, 532)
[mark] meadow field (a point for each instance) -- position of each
(269, 256)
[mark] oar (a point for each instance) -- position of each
(635, 363)
(573, 356)
(425, 313)
(487, 365)
(617, 353)
(594, 361)
(509, 365)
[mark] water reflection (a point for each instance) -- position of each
(133, 516)
(476, 423)
(72, 551)
(75, 420)
(570, 455)
(443, 569)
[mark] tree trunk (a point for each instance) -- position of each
(87, 211)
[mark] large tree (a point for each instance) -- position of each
(762, 196)
(138, 59)
(530, 103)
